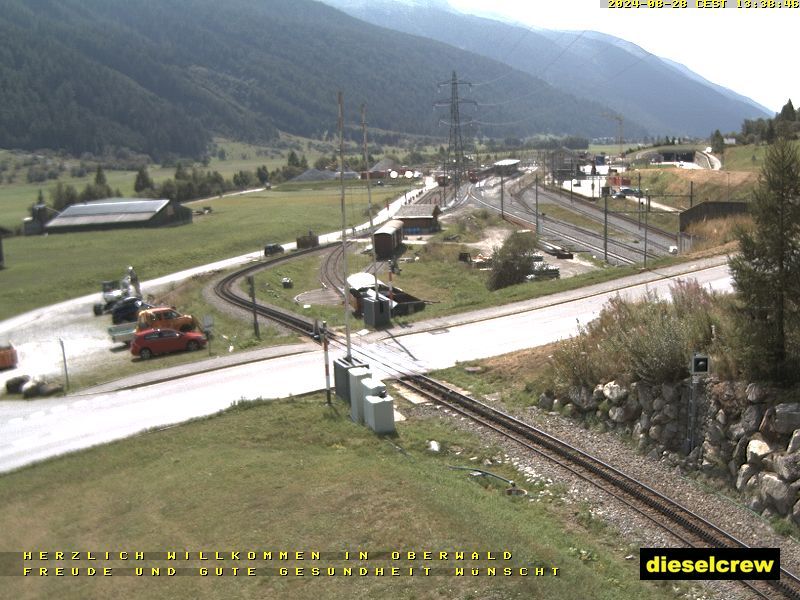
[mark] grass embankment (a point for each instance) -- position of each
(746, 158)
(672, 186)
(297, 476)
(45, 269)
(643, 340)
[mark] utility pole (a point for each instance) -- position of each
(324, 335)
(251, 282)
(645, 232)
(369, 200)
(605, 227)
(502, 212)
(455, 162)
(536, 196)
(66, 370)
(345, 291)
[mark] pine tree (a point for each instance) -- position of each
(717, 142)
(100, 176)
(766, 272)
(787, 112)
(143, 181)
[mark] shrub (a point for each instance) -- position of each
(512, 261)
(651, 339)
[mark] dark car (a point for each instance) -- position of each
(271, 249)
(127, 310)
(150, 342)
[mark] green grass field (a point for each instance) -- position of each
(41, 270)
(295, 476)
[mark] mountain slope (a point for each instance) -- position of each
(162, 77)
(636, 84)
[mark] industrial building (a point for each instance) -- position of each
(117, 213)
(419, 218)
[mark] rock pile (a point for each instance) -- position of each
(743, 433)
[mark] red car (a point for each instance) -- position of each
(162, 341)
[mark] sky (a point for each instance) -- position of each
(748, 50)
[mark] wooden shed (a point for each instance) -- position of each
(419, 218)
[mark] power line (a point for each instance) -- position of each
(454, 166)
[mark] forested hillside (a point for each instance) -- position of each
(663, 96)
(163, 77)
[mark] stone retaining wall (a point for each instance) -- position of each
(739, 432)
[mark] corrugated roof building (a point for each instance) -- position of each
(117, 213)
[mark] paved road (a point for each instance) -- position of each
(32, 431)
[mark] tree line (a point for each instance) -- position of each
(784, 125)
(185, 185)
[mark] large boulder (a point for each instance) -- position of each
(788, 467)
(752, 491)
(660, 417)
(546, 401)
(644, 393)
(30, 389)
(655, 433)
(757, 449)
(776, 492)
(715, 433)
(644, 421)
(614, 393)
(14, 384)
(671, 392)
(746, 471)
(598, 393)
(786, 417)
(724, 394)
(755, 393)
(583, 399)
(751, 418)
(670, 432)
(794, 443)
(740, 452)
(625, 413)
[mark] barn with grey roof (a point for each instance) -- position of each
(117, 213)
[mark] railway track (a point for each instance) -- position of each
(225, 289)
(523, 215)
(689, 528)
(591, 209)
(331, 271)
(619, 251)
